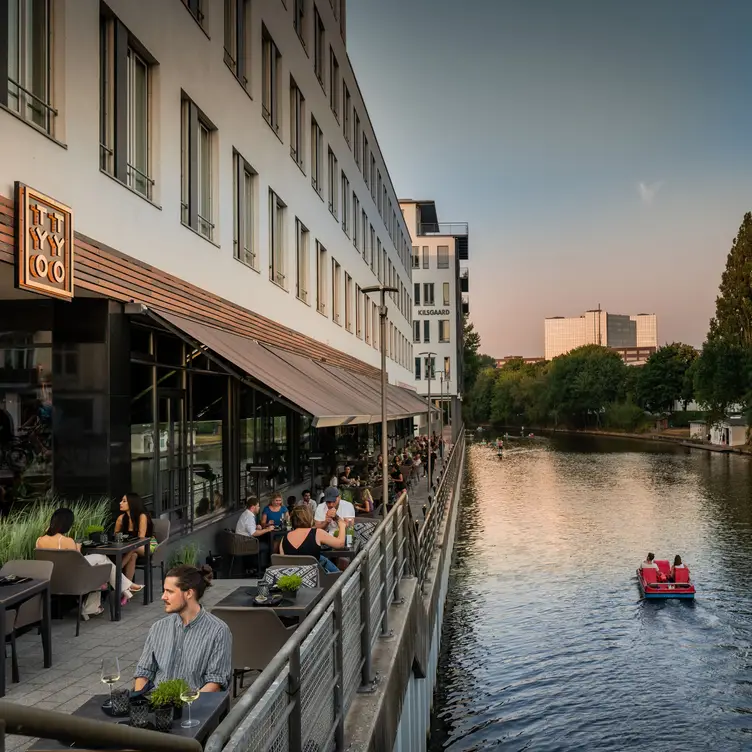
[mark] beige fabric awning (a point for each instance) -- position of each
(333, 396)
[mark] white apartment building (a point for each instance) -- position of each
(597, 327)
(440, 300)
(202, 174)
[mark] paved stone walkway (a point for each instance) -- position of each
(76, 661)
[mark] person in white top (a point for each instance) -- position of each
(649, 563)
(332, 509)
(247, 524)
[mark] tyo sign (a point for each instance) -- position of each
(44, 244)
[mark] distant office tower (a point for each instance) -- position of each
(597, 327)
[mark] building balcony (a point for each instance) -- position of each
(465, 304)
(453, 229)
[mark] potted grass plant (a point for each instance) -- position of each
(166, 703)
(289, 584)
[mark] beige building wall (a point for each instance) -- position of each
(647, 329)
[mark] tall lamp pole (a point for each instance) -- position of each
(383, 290)
(430, 356)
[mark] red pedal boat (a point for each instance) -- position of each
(652, 585)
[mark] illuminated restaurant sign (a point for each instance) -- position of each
(44, 244)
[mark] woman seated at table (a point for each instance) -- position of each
(275, 513)
(364, 505)
(133, 520)
(306, 540)
(57, 539)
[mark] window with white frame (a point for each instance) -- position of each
(245, 215)
(336, 292)
(318, 46)
(301, 260)
(372, 248)
(376, 326)
(356, 139)
(235, 39)
(373, 178)
(378, 193)
(428, 294)
(125, 109)
(447, 369)
(356, 222)
(297, 123)
(416, 331)
(425, 257)
(197, 10)
(348, 303)
(443, 330)
(346, 110)
(383, 262)
(345, 205)
(276, 239)
(445, 290)
(427, 330)
(270, 66)
(317, 157)
(197, 173)
(321, 278)
(299, 20)
(366, 163)
(358, 312)
(416, 293)
(417, 369)
(334, 83)
(333, 184)
(442, 257)
(367, 318)
(416, 257)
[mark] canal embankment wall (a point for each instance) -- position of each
(396, 714)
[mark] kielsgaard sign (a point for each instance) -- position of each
(434, 312)
(44, 244)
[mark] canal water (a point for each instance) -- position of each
(547, 644)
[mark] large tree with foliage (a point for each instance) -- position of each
(662, 381)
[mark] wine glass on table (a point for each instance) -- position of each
(188, 696)
(110, 675)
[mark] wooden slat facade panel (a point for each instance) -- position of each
(102, 270)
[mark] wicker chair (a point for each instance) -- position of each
(233, 544)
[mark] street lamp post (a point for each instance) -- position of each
(383, 290)
(441, 414)
(430, 356)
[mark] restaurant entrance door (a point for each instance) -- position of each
(172, 456)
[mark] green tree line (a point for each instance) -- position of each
(592, 387)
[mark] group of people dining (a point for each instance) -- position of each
(133, 519)
(650, 563)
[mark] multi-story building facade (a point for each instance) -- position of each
(440, 300)
(597, 327)
(183, 288)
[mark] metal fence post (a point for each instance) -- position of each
(365, 619)
(339, 698)
(295, 721)
(384, 586)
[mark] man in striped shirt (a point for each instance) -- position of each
(189, 643)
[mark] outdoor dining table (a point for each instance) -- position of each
(209, 710)
(117, 551)
(340, 553)
(296, 608)
(12, 595)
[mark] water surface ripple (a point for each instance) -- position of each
(547, 644)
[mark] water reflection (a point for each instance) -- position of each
(547, 643)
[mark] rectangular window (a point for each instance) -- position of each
(376, 326)
(428, 293)
(356, 138)
(334, 83)
(372, 248)
(445, 288)
(447, 369)
(345, 205)
(416, 293)
(235, 39)
(358, 312)
(383, 262)
(374, 194)
(196, 9)
(317, 157)
(297, 123)
(444, 330)
(276, 239)
(301, 260)
(336, 292)
(321, 271)
(442, 257)
(425, 257)
(318, 46)
(348, 303)
(427, 330)
(378, 193)
(333, 184)
(346, 109)
(364, 234)
(270, 65)
(416, 331)
(125, 114)
(417, 369)
(197, 179)
(245, 214)
(367, 318)
(366, 163)
(356, 222)
(430, 366)
(416, 257)
(299, 20)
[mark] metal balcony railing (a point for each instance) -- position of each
(443, 228)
